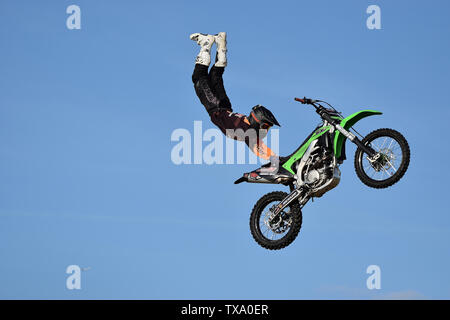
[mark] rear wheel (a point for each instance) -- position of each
(391, 162)
(275, 232)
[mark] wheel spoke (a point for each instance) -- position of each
(262, 226)
(390, 143)
(391, 152)
(384, 170)
(373, 144)
(368, 167)
(395, 170)
(385, 138)
(374, 171)
(268, 231)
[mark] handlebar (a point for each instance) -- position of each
(323, 112)
(305, 100)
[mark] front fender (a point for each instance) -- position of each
(347, 123)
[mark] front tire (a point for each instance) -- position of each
(286, 227)
(393, 161)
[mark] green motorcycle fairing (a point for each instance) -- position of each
(347, 123)
(339, 138)
(299, 154)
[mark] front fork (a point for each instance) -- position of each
(373, 155)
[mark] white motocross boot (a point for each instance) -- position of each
(205, 41)
(221, 55)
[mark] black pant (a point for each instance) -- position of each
(210, 89)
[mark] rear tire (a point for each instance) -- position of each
(399, 169)
(261, 207)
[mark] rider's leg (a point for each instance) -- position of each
(216, 80)
(216, 72)
(200, 76)
(203, 88)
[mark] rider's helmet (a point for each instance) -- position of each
(261, 118)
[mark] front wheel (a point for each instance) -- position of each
(275, 232)
(390, 162)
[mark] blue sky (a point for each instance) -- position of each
(86, 176)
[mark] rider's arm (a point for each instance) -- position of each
(238, 123)
(260, 149)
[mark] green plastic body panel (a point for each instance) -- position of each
(347, 123)
(299, 154)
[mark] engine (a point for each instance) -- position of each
(321, 174)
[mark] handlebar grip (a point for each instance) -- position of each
(299, 100)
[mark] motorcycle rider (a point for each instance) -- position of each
(211, 92)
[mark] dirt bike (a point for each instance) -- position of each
(381, 159)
